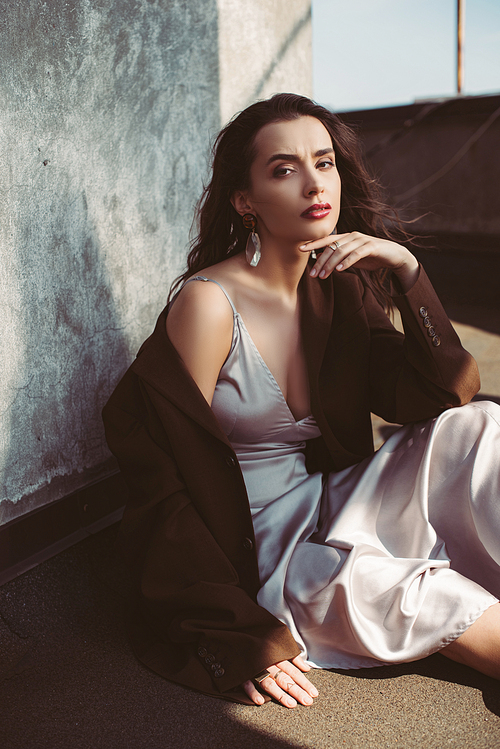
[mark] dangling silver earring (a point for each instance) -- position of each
(252, 250)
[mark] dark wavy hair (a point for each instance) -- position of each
(221, 233)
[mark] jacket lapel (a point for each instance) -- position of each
(316, 327)
(316, 323)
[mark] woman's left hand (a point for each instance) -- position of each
(342, 251)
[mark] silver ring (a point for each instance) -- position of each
(334, 246)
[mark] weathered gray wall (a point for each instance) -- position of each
(107, 110)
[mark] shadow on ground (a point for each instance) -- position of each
(69, 679)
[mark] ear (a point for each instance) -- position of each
(240, 203)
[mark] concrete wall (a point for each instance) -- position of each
(264, 48)
(108, 108)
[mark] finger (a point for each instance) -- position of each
(253, 692)
(319, 266)
(298, 677)
(273, 689)
(331, 240)
(329, 260)
(335, 253)
(354, 249)
(350, 259)
(290, 687)
(317, 244)
(299, 662)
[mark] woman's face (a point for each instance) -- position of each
(294, 184)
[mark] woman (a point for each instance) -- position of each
(265, 536)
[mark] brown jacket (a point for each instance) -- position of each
(187, 530)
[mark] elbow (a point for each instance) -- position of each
(467, 381)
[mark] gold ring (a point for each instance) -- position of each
(262, 675)
(278, 672)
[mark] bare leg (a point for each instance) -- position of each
(479, 646)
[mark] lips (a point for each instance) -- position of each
(318, 210)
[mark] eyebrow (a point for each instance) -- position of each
(294, 157)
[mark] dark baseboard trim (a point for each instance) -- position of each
(33, 538)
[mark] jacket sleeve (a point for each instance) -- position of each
(193, 622)
(416, 375)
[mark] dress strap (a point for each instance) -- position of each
(235, 314)
(204, 278)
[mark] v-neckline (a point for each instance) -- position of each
(270, 374)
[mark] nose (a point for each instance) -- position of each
(314, 183)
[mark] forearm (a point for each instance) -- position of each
(190, 593)
(416, 376)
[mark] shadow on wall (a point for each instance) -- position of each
(74, 344)
(107, 112)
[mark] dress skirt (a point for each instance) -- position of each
(395, 557)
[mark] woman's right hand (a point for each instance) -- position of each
(287, 684)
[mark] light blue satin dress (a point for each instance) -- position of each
(386, 561)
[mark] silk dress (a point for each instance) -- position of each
(386, 561)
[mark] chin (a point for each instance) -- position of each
(318, 231)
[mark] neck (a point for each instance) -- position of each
(281, 267)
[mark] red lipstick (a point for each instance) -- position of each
(318, 210)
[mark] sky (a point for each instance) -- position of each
(377, 53)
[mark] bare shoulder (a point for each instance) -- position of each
(202, 302)
(200, 326)
(202, 307)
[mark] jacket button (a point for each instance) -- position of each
(431, 332)
(215, 666)
(230, 461)
(210, 659)
(436, 341)
(202, 652)
(248, 544)
(220, 672)
(427, 322)
(422, 312)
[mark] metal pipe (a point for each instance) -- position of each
(460, 44)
